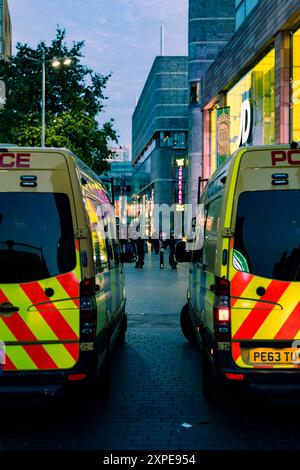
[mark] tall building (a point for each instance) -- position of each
(159, 135)
(5, 31)
(119, 154)
(251, 93)
(211, 25)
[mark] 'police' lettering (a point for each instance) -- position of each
(292, 157)
(23, 160)
(14, 160)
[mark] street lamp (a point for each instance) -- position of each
(56, 63)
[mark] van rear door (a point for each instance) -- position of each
(265, 263)
(39, 265)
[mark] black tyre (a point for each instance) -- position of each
(209, 383)
(122, 333)
(187, 325)
(100, 388)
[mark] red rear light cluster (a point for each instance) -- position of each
(76, 377)
(222, 310)
(88, 311)
(239, 377)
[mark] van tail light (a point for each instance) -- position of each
(222, 310)
(88, 311)
(239, 377)
(223, 315)
(76, 377)
(222, 286)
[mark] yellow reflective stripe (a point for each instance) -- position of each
(5, 333)
(60, 355)
(230, 200)
(16, 296)
(64, 301)
(32, 318)
(241, 310)
(277, 318)
(66, 308)
(20, 358)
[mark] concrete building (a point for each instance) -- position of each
(159, 135)
(256, 74)
(211, 25)
(5, 30)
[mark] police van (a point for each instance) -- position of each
(62, 293)
(243, 306)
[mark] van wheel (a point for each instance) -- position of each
(209, 383)
(100, 388)
(187, 325)
(122, 333)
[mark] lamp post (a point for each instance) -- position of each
(56, 63)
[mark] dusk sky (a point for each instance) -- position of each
(122, 36)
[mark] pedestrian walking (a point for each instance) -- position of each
(172, 245)
(140, 248)
(162, 245)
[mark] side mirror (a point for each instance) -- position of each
(182, 256)
(128, 252)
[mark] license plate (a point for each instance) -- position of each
(274, 356)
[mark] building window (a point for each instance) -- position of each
(194, 93)
(242, 9)
(179, 139)
(296, 87)
(257, 87)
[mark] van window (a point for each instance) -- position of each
(267, 234)
(36, 237)
(200, 222)
(98, 235)
(211, 233)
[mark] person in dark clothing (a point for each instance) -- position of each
(140, 248)
(172, 244)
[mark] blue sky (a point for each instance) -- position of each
(122, 36)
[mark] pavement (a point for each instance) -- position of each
(156, 398)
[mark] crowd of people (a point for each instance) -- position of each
(158, 246)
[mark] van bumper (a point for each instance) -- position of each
(48, 383)
(271, 381)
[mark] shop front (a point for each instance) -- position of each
(248, 116)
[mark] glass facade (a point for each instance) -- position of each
(243, 8)
(296, 86)
(257, 86)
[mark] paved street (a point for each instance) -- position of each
(156, 387)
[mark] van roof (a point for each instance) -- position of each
(223, 169)
(66, 152)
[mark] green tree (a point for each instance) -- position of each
(74, 99)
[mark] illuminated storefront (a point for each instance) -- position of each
(255, 93)
(296, 86)
(250, 94)
(258, 88)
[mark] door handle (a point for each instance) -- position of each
(6, 309)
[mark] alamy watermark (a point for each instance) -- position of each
(165, 222)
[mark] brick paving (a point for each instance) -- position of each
(156, 387)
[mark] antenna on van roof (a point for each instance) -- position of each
(294, 145)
